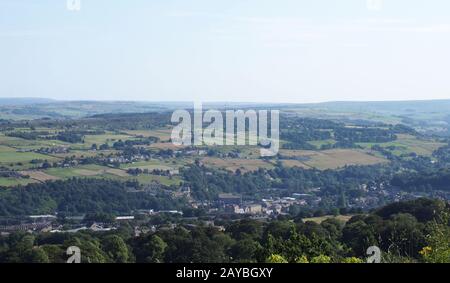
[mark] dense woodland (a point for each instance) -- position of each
(207, 183)
(80, 196)
(299, 131)
(112, 122)
(414, 231)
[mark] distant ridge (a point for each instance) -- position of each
(387, 106)
(25, 101)
(395, 105)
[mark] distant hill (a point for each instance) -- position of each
(25, 101)
(399, 107)
(353, 106)
(415, 113)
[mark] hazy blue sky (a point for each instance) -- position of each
(226, 50)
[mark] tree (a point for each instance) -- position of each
(116, 249)
(154, 249)
(245, 250)
(90, 247)
(274, 258)
(302, 259)
(352, 260)
(245, 228)
(20, 248)
(402, 235)
(55, 253)
(334, 227)
(38, 255)
(321, 259)
(358, 236)
(438, 240)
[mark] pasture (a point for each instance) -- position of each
(406, 144)
(330, 159)
(11, 182)
(10, 155)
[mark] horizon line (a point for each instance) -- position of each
(218, 101)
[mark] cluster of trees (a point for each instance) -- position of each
(405, 232)
(103, 146)
(130, 121)
(120, 145)
(79, 196)
(356, 135)
(443, 154)
(206, 183)
(45, 248)
(414, 181)
(30, 135)
(70, 136)
(92, 125)
(298, 139)
(139, 171)
(9, 174)
(298, 132)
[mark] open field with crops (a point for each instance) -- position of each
(330, 159)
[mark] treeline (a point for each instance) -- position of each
(121, 145)
(106, 122)
(65, 136)
(79, 196)
(70, 136)
(31, 135)
(364, 135)
(414, 231)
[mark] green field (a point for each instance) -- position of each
(10, 155)
(406, 144)
(147, 179)
(96, 171)
(319, 143)
(10, 182)
(80, 171)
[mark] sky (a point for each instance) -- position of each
(294, 51)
